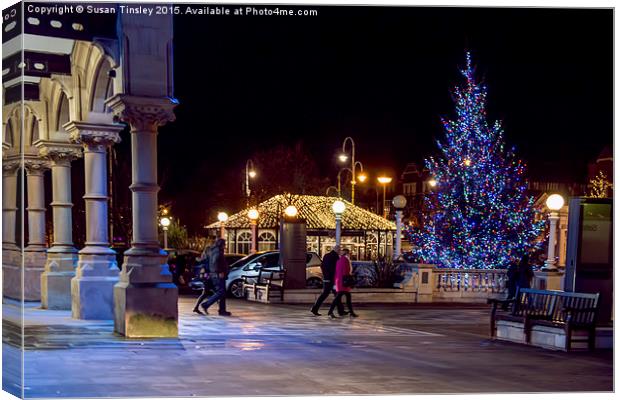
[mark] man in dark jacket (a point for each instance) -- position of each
(218, 271)
(328, 268)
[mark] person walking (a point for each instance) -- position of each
(204, 275)
(343, 271)
(218, 271)
(328, 268)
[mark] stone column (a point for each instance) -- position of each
(62, 256)
(338, 228)
(11, 253)
(97, 272)
(145, 299)
(34, 253)
(554, 217)
(9, 204)
(562, 236)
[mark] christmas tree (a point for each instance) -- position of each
(477, 214)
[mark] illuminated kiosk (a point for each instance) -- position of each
(366, 234)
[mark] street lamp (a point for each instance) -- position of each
(338, 208)
(343, 158)
(554, 202)
(222, 217)
(384, 180)
(291, 211)
(432, 183)
(250, 172)
(253, 216)
(165, 223)
(399, 203)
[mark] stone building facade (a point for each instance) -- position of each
(85, 78)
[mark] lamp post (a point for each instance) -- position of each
(250, 173)
(554, 202)
(343, 158)
(399, 203)
(338, 208)
(338, 179)
(165, 223)
(384, 180)
(222, 217)
(332, 188)
(253, 216)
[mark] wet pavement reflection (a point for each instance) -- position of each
(285, 350)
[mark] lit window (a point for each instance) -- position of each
(244, 242)
(266, 241)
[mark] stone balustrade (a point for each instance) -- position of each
(425, 283)
(468, 285)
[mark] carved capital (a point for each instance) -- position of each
(35, 165)
(98, 136)
(10, 165)
(59, 152)
(141, 112)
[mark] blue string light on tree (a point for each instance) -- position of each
(478, 214)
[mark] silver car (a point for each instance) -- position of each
(250, 265)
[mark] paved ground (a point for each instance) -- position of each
(284, 350)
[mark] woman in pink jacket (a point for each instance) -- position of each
(343, 268)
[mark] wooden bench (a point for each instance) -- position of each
(569, 311)
(268, 280)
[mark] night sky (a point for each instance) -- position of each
(382, 75)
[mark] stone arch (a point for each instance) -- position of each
(63, 113)
(8, 134)
(102, 87)
(34, 130)
(95, 69)
(57, 105)
(31, 126)
(13, 130)
(13, 127)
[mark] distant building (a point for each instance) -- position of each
(415, 183)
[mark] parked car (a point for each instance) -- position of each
(233, 258)
(250, 265)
